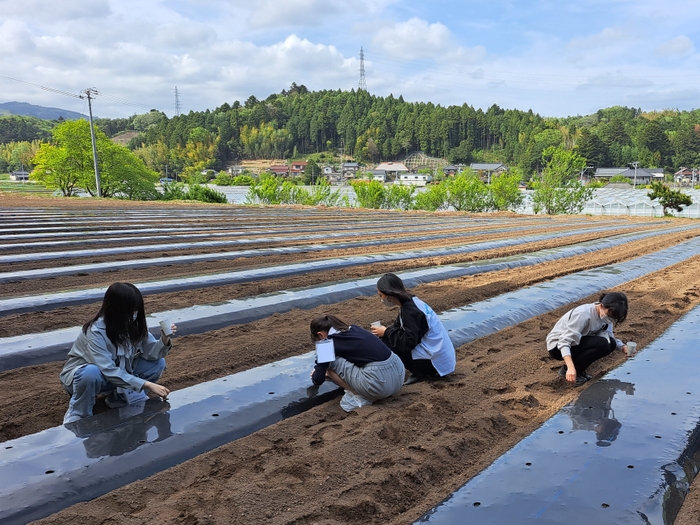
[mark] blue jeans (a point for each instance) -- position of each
(88, 381)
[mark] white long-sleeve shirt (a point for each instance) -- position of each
(582, 321)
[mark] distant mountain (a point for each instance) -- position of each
(30, 110)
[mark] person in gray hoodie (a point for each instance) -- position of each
(585, 334)
(113, 354)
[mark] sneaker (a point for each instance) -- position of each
(562, 371)
(581, 379)
(116, 400)
(415, 378)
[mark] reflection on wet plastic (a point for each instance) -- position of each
(48, 471)
(593, 410)
(125, 429)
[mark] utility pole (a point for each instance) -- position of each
(635, 164)
(584, 170)
(88, 93)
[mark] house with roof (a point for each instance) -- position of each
(235, 170)
(392, 168)
(279, 169)
(297, 167)
(20, 175)
(641, 176)
(351, 166)
(414, 179)
(378, 175)
(686, 175)
(487, 169)
(453, 169)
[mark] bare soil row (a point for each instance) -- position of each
(387, 463)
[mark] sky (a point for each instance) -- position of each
(555, 57)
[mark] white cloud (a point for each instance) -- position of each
(48, 11)
(295, 13)
(676, 47)
(15, 39)
(416, 39)
(610, 36)
(217, 51)
(614, 79)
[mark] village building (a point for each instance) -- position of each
(392, 168)
(486, 169)
(279, 169)
(641, 176)
(378, 175)
(297, 167)
(20, 175)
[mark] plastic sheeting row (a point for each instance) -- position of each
(25, 350)
(58, 467)
(62, 299)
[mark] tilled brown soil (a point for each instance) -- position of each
(386, 463)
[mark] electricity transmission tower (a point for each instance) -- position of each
(362, 85)
(177, 102)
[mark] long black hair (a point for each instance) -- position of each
(392, 285)
(323, 323)
(616, 305)
(120, 302)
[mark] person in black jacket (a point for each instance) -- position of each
(364, 366)
(417, 336)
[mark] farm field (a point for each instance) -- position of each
(388, 463)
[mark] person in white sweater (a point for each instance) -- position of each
(585, 334)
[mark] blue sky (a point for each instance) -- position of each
(557, 58)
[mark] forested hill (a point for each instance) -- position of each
(369, 128)
(30, 110)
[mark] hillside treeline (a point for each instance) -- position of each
(369, 128)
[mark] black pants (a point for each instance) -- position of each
(589, 349)
(420, 367)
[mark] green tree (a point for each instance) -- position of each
(686, 144)
(467, 192)
(593, 149)
(122, 174)
(620, 179)
(434, 198)
(369, 194)
(505, 191)
(312, 173)
(559, 191)
(67, 164)
(669, 198)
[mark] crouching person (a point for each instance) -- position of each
(364, 366)
(114, 349)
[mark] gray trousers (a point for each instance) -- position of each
(373, 381)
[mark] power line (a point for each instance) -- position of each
(124, 101)
(42, 87)
(94, 93)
